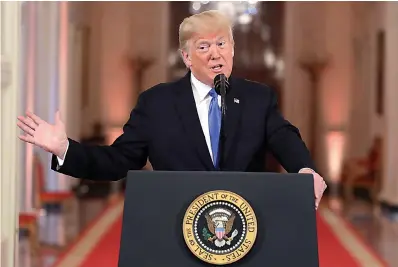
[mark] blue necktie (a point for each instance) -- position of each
(214, 125)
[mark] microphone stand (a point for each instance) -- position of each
(222, 129)
(221, 85)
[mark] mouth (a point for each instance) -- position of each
(217, 67)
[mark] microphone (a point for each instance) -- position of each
(221, 86)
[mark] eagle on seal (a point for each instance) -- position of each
(220, 222)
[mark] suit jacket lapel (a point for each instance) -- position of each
(186, 109)
(233, 115)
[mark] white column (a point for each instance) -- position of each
(72, 110)
(91, 108)
(10, 144)
(117, 85)
(51, 79)
(299, 21)
(389, 192)
(66, 93)
(28, 59)
(336, 88)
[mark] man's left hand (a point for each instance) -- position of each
(319, 185)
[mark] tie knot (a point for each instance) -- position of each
(213, 93)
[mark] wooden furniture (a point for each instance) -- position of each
(43, 197)
(28, 221)
(364, 172)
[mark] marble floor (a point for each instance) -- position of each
(59, 229)
(377, 229)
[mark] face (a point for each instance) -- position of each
(209, 55)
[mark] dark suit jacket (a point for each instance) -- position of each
(165, 127)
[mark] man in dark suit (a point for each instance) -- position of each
(176, 125)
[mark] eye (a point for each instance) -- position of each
(221, 43)
(203, 47)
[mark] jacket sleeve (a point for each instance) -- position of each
(284, 140)
(128, 152)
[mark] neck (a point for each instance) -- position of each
(210, 84)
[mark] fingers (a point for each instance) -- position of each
(35, 118)
(319, 188)
(306, 170)
(28, 139)
(25, 128)
(320, 191)
(27, 121)
(318, 200)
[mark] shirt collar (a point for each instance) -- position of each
(200, 89)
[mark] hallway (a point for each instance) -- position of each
(332, 65)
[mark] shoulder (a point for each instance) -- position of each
(254, 89)
(158, 93)
(158, 90)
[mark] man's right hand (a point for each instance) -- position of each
(50, 137)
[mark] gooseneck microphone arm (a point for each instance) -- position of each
(221, 86)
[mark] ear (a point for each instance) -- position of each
(186, 58)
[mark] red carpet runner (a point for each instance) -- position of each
(331, 251)
(106, 252)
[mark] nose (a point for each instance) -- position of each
(215, 54)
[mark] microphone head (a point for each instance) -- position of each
(221, 84)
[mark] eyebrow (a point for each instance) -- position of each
(222, 38)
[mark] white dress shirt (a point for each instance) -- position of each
(202, 101)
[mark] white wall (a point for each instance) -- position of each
(365, 123)
(361, 93)
(389, 192)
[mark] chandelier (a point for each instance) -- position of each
(240, 12)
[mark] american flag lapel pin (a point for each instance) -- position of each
(236, 100)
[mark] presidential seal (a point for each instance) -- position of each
(220, 227)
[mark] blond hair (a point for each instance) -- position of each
(204, 22)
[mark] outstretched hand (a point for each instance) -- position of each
(50, 137)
